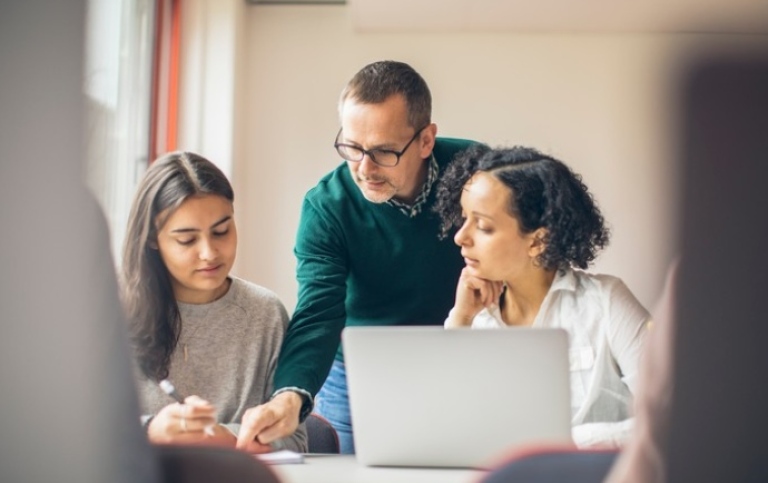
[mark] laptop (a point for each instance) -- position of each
(426, 396)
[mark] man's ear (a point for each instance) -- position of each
(427, 142)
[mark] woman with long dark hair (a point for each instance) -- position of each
(215, 336)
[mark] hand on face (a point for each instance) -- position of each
(472, 295)
(188, 423)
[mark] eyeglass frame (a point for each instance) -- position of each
(370, 152)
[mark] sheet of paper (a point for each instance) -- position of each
(281, 457)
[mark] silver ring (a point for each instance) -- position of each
(183, 424)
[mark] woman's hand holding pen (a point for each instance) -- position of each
(472, 295)
(186, 423)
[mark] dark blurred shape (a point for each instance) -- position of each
(554, 466)
(702, 403)
(68, 401)
(189, 464)
(718, 419)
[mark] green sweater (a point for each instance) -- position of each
(362, 263)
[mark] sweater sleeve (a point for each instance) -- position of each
(314, 332)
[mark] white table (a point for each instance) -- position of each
(345, 469)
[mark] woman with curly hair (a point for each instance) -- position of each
(527, 227)
(215, 336)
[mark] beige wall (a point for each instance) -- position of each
(601, 103)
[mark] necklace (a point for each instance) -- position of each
(225, 286)
(185, 349)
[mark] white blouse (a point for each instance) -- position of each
(606, 327)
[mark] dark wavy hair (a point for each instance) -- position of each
(146, 291)
(378, 81)
(544, 193)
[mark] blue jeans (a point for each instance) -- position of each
(332, 403)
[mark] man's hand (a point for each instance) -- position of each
(270, 421)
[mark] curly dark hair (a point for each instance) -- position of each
(544, 193)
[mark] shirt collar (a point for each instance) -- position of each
(413, 210)
(564, 280)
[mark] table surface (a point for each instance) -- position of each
(345, 469)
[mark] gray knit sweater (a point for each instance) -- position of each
(227, 354)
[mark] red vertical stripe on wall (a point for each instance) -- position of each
(163, 135)
(173, 77)
(154, 117)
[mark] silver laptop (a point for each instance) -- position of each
(426, 396)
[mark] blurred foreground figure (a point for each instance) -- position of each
(69, 406)
(701, 414)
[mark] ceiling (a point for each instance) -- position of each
(727, 16)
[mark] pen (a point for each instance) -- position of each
(168, 388)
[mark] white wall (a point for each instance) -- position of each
(601, 103)
(211, 69)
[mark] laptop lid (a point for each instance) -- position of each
(426, 396)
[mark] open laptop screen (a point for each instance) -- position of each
(425, 396)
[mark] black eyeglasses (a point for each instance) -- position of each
(383, 157)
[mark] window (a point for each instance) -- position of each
(118, 90)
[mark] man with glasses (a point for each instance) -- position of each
(367, 247)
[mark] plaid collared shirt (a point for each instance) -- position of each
(413, 210)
